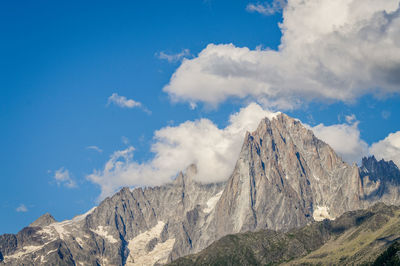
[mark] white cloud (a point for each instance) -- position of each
(330, 50)
(62, 177)
(21, 208)
(344, 139)
(212, 149)
(124, 102)
(350, 119)
(215, 150)
(388, 148)
(266, 8)
(173, 58)
(95, 148)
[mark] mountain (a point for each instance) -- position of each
(140, 227)
(381, 180)
(43, 220)
(354, 238)
(284, 178)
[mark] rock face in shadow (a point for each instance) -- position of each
(284, 178)
(381, 180)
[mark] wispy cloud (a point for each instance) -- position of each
(351, 119)
(94, 148)
(266, 8)
(123, 102)
(173, 58)
(63, 177)
(21, 208)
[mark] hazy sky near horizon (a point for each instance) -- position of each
(97, 95)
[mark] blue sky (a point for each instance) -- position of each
(61, 62)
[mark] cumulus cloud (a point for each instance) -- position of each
(62, 177)
(215, 150)
(212, 149)
(344, 139)
(21, 208)
(266, 8)
(124, 102)
(388, 148)
(94, 148)
(173, 58)
(329, 51)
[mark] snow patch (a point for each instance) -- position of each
(103, 233)
(64, 228)
(79, 241)
(25, 250)
(212, 202)
(321, 213)
(59, 227)
(138, 253)
(82, 216)
(51, 251)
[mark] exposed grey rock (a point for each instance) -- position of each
(381, 180)
(284, 178)
(43, 220)
(113, 232)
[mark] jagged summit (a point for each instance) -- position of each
(388, 169)
(43, 220)
(285, 177)
(381, 180)
(187, 176)
(282, 167)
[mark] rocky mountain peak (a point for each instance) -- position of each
(285, 178)
(43, 220)
(381, 180)
(187, 176)
(282, 166)
(378, 169)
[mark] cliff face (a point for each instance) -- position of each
(283, 166)
(284, 178)
(381, 181)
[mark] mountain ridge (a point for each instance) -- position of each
(284, 178)
(355, 237)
